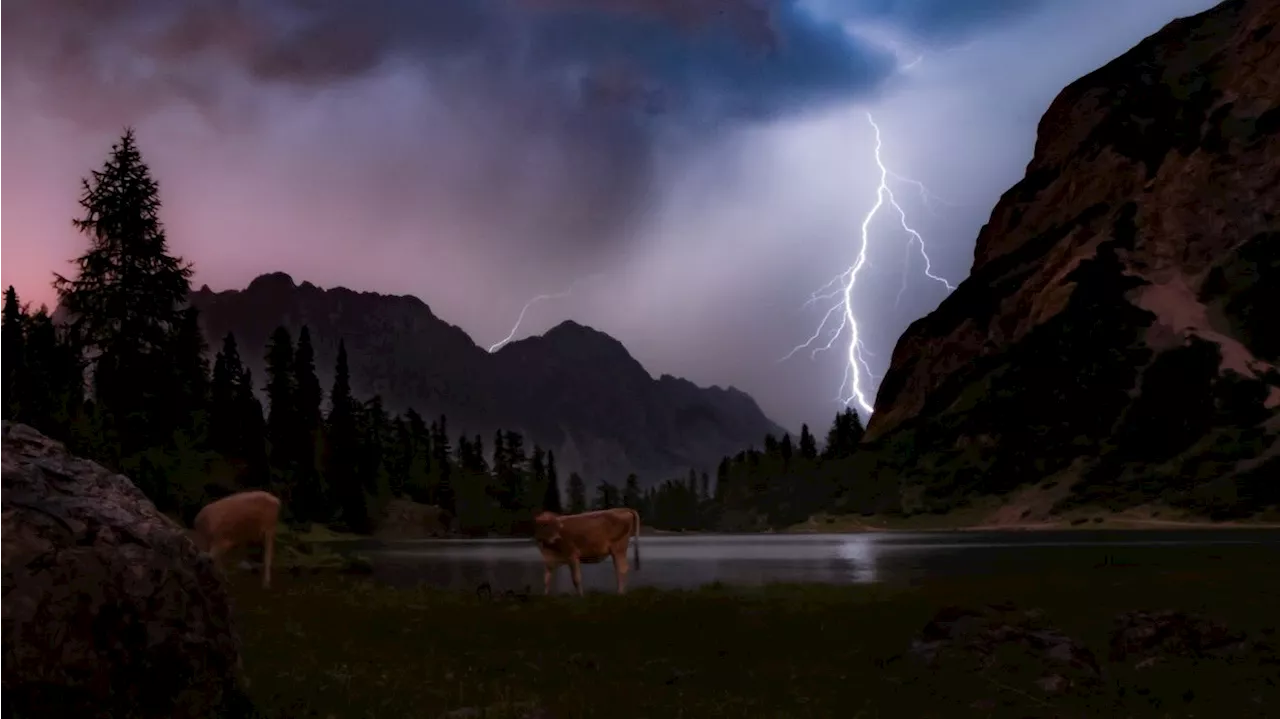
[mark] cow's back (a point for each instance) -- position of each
(239, 517)
(596, 534)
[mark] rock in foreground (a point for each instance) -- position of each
(109, 610)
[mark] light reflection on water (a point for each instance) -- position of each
(687, 561)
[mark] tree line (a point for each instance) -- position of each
(125, 379)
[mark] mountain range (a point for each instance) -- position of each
(573, 390)
(1116, 342)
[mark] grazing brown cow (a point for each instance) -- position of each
(587, 538)
(236, 520)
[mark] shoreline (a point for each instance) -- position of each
(1116, 523)
(1134, 524)
(1125, 524)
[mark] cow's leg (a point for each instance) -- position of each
(548, 576)
(620, 568)
(268, 549)
(575, 567)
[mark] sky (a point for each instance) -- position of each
(683, 173)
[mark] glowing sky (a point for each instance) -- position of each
(711, 163)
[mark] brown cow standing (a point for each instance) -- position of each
(236, 520)
(587, 538)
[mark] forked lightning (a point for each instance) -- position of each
(857, 371)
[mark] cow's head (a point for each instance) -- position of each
(201, 541)
(546, 528)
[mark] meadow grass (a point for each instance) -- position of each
(347, 647)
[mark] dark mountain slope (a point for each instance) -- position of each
(574, 390)
(1118, 330)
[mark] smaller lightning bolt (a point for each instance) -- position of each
(930, 200)
(840, 289)
(535, 300)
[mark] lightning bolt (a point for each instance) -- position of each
(841, 318)
(535, 300)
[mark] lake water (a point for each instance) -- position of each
(688, 561)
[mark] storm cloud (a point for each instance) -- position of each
(706, 159)
(594, 85)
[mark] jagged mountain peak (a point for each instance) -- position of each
(574, 388)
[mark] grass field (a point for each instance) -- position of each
(345, 647)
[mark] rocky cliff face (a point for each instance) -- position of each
(574, 390)
(1120, 316)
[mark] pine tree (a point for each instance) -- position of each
(551, 501)
(373, 436)
(478, 464)
(845, 434)
(341, 448)
(510, 474)
(51, 390)
(606, 496)
(631, 492)
(537, 478)
(309, 495)
(189, 400)
(770, 445)
(13, 345)
(126, 300)
(441, 468)
(308, 397)
(466, 454)
(281, 406)
(224, 397)
(577, 494)
(417, 483)
(722, 479)
(808, 445)
(399, 456)
(515, 450)
(502, 469)
(251, 434)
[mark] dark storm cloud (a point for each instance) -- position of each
(729, 58)
(598, 83)
(936, 21)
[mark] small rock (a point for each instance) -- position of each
(357, 564)
(520, 710)
(1169, 633)
(1053, 683)
(970, 640)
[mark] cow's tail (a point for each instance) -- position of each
(636, 534)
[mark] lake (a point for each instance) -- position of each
(689, 561)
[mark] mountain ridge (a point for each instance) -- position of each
(573, 389)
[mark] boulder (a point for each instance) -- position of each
(1148, 638)
(1001, 639)
(109, 609)
(403, 519)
